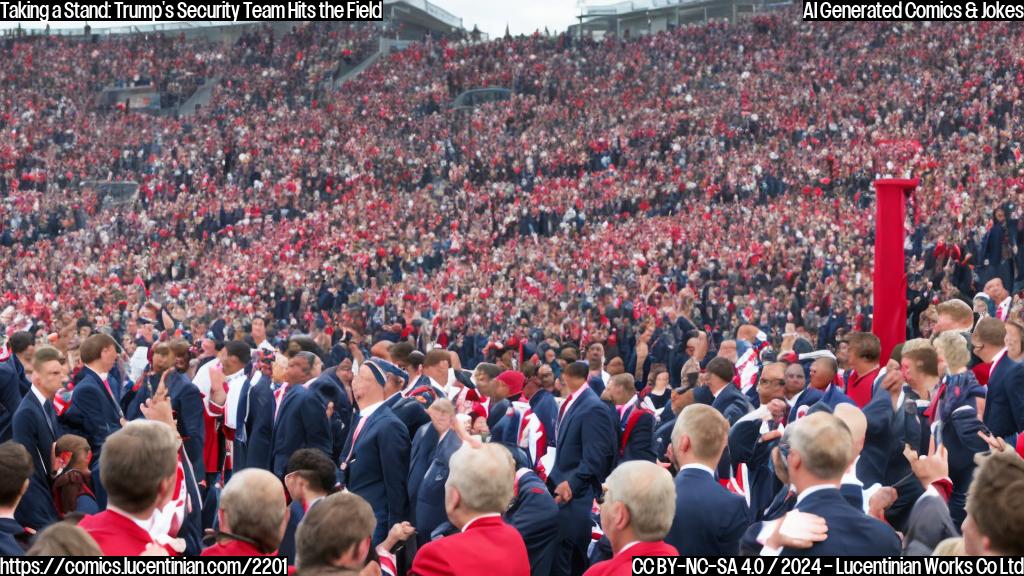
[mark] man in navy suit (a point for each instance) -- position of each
(729, 401)
(409, 409)
(1003, 407)
(331, 391)
(36, 428)
(301, 420)
(709, 520)
(432, 382)
(799, 395)
(635, 424)
(823, 376)
(535, 515)
(14, 384)
(585, 453)
(432, 448)
(311, 476)
(95, 411)
(255, 417)
(753, 437)
(819, 450)
(186, 402)
(17, 466)
(375, 458)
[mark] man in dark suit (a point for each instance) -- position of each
(823, 378)
(331, 391)
(432, 382)
(14, 384)
(753, 437)
(478, 491)
(1004, 405)
(799, 395)
(709, 520)
(95, 410)
(375, 458)
(255, 417)
(729, 401)
(635, 424)
(301, 420)
(17, 466)
(186, 402)
(311, 476)
(36, 428)
(432, 448)
(535, 515)
(585, 453)
(409, 410)
(819, 452)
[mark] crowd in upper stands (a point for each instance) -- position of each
(683, 218)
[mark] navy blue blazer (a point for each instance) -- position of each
(9, 545)
(330, 389)
(1004, 404)
(426, 501)
(663, 435)
(287, 548)
(409, 411)
(192, 526)
(301, 423)
(379, 468)
(731, 403)
(709, 519)
(745, 447)
(833, 396)
(187, 404)
(879, 441)
(639, 444)
(586, 446)
(784, 502)
(809, 397)
(13, 386)
(544, 406)
(851, 532)
(535, 515)
(94, 414)
(37, 431)
(255, 421)
(496, 412)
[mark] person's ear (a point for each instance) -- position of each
(685, 444)
(24, 488)
(225, 526)
(796, 461)
(621, 518)
(364, 548)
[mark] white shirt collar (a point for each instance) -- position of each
(817, 488)
(628, 546)
(696, 466)
(147, 525)
(366, 412)
(39, 395)
(470, 523)
(792, 401)
(102, 375)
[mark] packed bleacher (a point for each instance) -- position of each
(667, 241)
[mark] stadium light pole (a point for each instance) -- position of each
(889, 322)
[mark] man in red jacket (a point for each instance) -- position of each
(138, 469)
(634, 515)
(478, 490)
(253, 515)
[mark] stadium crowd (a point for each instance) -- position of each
(364, 304)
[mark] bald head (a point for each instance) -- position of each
(856, 422)
(252, 505)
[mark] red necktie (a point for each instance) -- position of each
(561, 411)
(933, 407)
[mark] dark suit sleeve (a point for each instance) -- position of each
(1015, 394)
(131, 402)
(10, 397)
(743, 439)
(735, 411)
(89, 404)
(25, 432)
(598, 449)
(318, 427)
(191, 421)
(394, 449)
(642, 438)
(735, 525)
